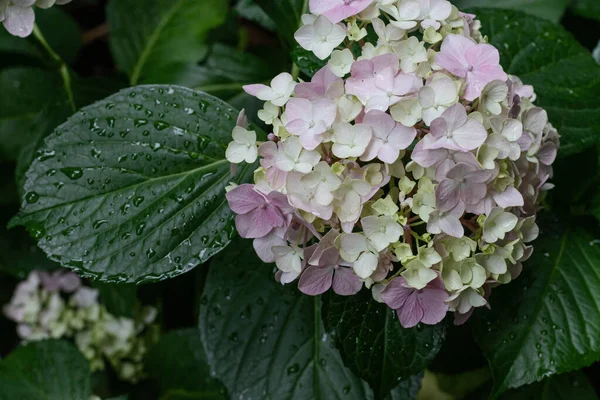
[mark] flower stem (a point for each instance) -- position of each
(63, 69)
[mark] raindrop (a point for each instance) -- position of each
(32, 197)
(72, 173)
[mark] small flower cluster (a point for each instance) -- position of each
(18, 16)
(411, 163)
(56, 305)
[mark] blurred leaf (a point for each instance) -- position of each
(596, 53)
(570, 386)
(49, 369)
(120, 300)
(24, 93)
(545, 322)
(223, 73)
(132, 188)
(265, 340)
(177, 363)
(565, 76)
(286, 15)
(60, 30)
(586, 8)
(372, 342)
(248, 9)
(147, 35)
(19, 254)
(552, 10)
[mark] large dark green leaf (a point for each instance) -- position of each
(47, 370)
(177, 364)
(574, 385)
(565, 76)
(264, 340)
(85, 91)
(546, 321)
(374, 345)
(548, 9)
(286, 15)
(132, 188)
(25, 92)
(149, 34)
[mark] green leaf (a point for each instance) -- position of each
(374, 345)
(61, 32)
(46, 370)
(177, 363)
(286, 15)
(25, 92)
(150, 34)
(574, 385)
(306, 60)
(552, 10)
(586, 8)
(265, 340)
(44, 123)
(119, 300)
(132, 188)
(565, 76)
(86, 91)
(223, 73)
(545, 321)
(248, 9)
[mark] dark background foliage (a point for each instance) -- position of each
(228, 329)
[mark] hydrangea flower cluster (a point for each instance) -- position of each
(56, 305)
(18, 16)
(411, 163)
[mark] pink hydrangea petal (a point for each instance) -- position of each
(244, 199)
(434, 305)
(411, 312)
(396, 293)
(345, 282)
(254, 224)
(315, 280)
(253, 90)
(452, 54)
(263, 246)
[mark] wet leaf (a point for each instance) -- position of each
(574, 385)
(265, 340)
(546, 321)
(547, 9)
(45, 370)
(132, 188)
(149, 34)
(374, 345)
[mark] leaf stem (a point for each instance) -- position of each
(63, 69)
